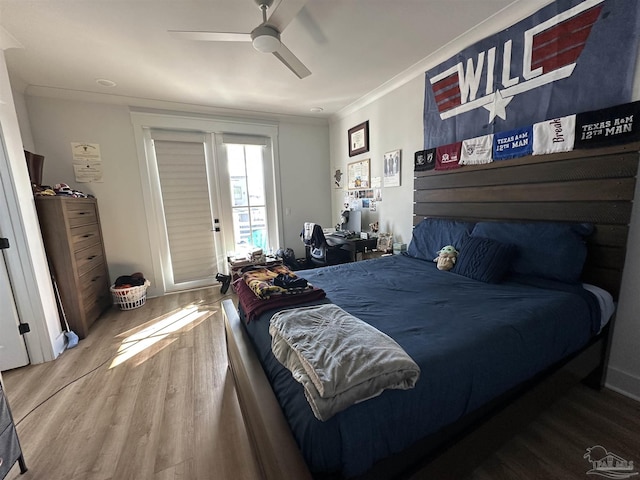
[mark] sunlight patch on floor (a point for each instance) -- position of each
(158, 331)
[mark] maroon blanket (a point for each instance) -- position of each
(252, 306)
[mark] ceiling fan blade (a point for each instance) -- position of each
(212, 36)
(291, 61)
(285, 11)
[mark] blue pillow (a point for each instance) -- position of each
(484, 259)
(431, 234)
(548, 250)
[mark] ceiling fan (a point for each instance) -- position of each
(265, 37)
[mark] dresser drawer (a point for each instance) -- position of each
(95, 280)
(81, 213)
(85, 236)
(89, 258)
(9, 449)
(96, 305)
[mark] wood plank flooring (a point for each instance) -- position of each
(161, 405)
(157, 402)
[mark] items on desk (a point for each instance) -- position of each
(343, 234)
(351, 221)
(385, 242)
(399, 248)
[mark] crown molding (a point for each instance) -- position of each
(508, 16)
(148, 103)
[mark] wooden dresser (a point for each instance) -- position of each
(10, 451)
(73, 242)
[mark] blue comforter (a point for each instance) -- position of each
(472, 341)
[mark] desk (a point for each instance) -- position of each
(355, 245)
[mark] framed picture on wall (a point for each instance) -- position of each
(358, 175)
(358, 138)
(392, 169)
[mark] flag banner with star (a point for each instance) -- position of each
(570, 56)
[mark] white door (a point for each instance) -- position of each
(13, 351)
(187, 201)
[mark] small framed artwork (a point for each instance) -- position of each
(358, 175)
(358, 138)
(338, 176)
(392, 169)
(385, 242)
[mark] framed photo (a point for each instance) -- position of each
(358, 175)
(358, 138)
(392, 169)
(385, 242)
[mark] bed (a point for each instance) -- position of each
(535, 314)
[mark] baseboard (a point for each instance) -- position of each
(623, 383)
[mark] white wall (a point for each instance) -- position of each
(305, 180)
(57, 122)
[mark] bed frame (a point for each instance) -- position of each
(595, 186)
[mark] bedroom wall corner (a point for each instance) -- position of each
(623, 369)
(395, 122)
(304, 179)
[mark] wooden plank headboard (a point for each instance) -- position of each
(595, 186)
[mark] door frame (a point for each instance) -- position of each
(143, 123)
(43, 343)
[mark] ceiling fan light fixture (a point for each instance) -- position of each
(265, 39)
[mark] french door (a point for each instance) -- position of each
(200, 205)
(187, 199)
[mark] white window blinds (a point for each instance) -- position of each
(186, 202)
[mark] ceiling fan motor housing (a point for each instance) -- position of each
(265, 39)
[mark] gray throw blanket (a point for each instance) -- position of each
(339, 359)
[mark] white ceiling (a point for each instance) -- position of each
(351, 47)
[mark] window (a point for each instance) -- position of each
(246, 175)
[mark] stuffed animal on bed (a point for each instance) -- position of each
(446, 258)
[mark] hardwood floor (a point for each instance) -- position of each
(161, 404)
(151, 397)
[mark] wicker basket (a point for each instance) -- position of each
(131, 297)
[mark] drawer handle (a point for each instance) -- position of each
(97, 277)
(87, 235)
(91, 257)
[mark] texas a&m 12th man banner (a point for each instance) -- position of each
(569, 57)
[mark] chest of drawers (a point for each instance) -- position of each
(10, 451)
(73, 241)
